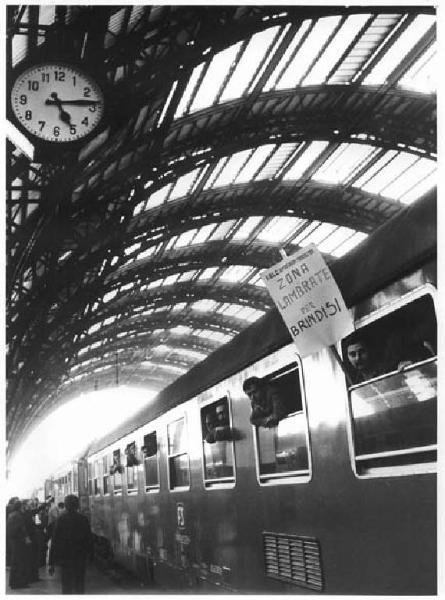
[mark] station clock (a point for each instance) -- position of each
(57, 102)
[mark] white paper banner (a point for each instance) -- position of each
(308, 298)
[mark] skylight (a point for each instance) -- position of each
(236, 273)
(259, 156)
(247, 227)
(422, 75)
(343, 162)
(231, 168)
(400, 48)
(311, 152)
(253, 55)
(204, 305)
(308, 52)
(336, 47)
(216, 73)
(279, 229)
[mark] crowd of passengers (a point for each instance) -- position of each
(40, 535)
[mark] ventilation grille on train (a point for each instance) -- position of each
(293, 559)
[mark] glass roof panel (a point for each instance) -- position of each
(215, 172)
(399, 49)
(420, 189)
(185, 238)
(204, 233)
(208, 273)
(343, 162)
(349, 244)
(318, 234)
(159, 196)
(182, 106)
(218, 336)
(231, 168)
(170, 279)
(250, 314)
(312, 45)
(389, 172)
(222, 230)
(184, 184)
(336, 47)
(213, 79)
(247, 227)
(337, 237)
(187, 276)
(422, 75)
(255, 161)
(204, 305)
(278, 159)
(407, 179)
(236, 273)
(279, 229)
(253, 55)
(310, 226)
(256, 280)
(375, 168)
(309, 155)
(47, 15)
(271, 82)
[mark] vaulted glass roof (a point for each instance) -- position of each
(232, 132)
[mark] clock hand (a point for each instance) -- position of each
(64, 116)
(74, 102)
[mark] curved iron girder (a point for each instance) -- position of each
(312, 200)
(287, 116)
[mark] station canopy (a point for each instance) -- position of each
(233, 132)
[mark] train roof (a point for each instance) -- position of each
(398, 247)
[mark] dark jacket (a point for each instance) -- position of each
(71, 538)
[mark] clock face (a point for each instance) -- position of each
(57, 102)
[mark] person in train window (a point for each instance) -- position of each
(217, 426)
(267, 407)
(70, 547)
(361, 365)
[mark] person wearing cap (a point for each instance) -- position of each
(19, 542)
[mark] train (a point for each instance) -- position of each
(338, 497)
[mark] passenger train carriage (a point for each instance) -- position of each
(339, 497)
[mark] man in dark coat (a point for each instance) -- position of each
(70, 547)
(18, 542)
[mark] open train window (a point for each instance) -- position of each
(116, 470)
(90, 479)
(217, 442)
(393, 388)
(151, 466)
(283, 449)
(132, 463)
(96, 488)
(178, 458)
(105, 476)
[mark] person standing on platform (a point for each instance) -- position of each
(53, 513)
(19, 542)
(70, 547)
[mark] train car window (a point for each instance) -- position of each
(283, 448)
(393, 388)
(76, 479)
(90, 479)
(178, 459)
(116, 470)
(217, 442)
(96, 489)
(132, 464)
(282, 443)
(105, 476)
(151, 467)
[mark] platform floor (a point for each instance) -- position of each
(96, 582)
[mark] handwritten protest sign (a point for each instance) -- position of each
(308, 298)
